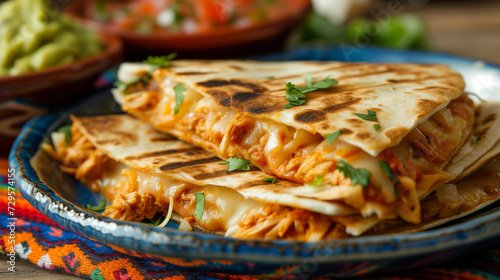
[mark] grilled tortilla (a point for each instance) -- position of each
(235, 109)
(143, 171)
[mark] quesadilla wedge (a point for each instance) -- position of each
(144, 172)
(397, 126)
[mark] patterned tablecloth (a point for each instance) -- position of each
(42, 242)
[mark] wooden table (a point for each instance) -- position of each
(466, 28)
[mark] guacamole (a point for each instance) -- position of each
(34, 36)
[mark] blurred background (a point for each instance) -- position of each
(53, 55)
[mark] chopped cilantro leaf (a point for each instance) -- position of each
(474, 139)
(369, 117)
(179, 90)
(200, 205)
(294, 94)
(124, 86)
(317, 181)
(235, 163)
(332, 136)
(67, 133)
(323, 84)
(156, 62)
(160, 61)
(269, 180)
(388, 171)
(97, 208)
(376, 126)
(308, 78)
(359, 176)
(153, 222)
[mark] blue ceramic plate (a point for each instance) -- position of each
(60, 198)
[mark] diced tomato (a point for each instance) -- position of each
(145, 8)
(213, 11)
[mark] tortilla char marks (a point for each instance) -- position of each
(239, 97)
(258, 109)
(443, 91)
(113, 142)
(216, 83)
(220, 173)
(220, 97)
(97, 124)
(162, 139)
(363, 135)
(194, 73)
(182, 164)
(395, 133)
(259, 183)
(341, 106)
(346, 131)
(161, 153)
(425, 106)
(355, 122)
(489, 118)
(205, 176)
(123, 137)
(310, 116)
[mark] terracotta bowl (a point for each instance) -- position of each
(25, 96)
(225, 41)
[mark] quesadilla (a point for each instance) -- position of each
(144, 172)
(379, 142)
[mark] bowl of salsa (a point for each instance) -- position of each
(197, 28)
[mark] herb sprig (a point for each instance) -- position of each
(332, 136)
(359, 176)
(67, 133)
(179, 90)
(155, 62)
(294, 95)
(97, 208)
(200, 205)
(269, 180)
(388, 171)
(235, 163)
(371, 116)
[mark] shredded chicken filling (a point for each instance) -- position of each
(300, 156)
(137, 196)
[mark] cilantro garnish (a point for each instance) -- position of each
(317, 181)
(155, 62)
(159, 61)
(323, 84)
(200, 205)
(359, 176)
(179, 90)
(97, 208)
(369, 117)
(67, 133)
(269, 180)
(474, 139)
(154, 223)
(332, 136)
(308, 78)
(376, 126)
(294, 94)
(235, 163)
(388, 171)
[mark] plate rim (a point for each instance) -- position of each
(367, 248)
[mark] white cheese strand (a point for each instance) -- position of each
(170, 210)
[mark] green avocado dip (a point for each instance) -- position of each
(35, 36)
